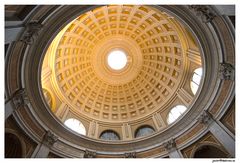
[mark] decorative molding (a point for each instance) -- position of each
(162, 136)
(20, 98)
(226, 71)
(170, 145)
(130, 155)
(204, 12)
(205, 118)
(49, 138)
(89, 154)
(126, 131)
(32, 29)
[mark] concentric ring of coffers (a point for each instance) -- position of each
(153, 80)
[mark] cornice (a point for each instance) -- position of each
(34, 57)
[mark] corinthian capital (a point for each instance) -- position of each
(49, 139)
(130, 155)
(204, 12)
(89, 154)
(20, 98)
(170, 145)
(226, 71)
(205, 118)
(31, 31)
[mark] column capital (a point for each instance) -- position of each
(204, 12)
(49, 138)
(32, 29)
(89, 154)
(130, 155)
(205, 118)
(20, 98)
(226, 71)
(170, 145)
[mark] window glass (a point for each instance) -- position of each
(196, 78)
(144, 131)
(109, 135)
(75, 125)
(175, 113)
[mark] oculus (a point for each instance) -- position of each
(117, 59)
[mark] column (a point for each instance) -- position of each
(43, 149)
(221, 135)
(173, 152)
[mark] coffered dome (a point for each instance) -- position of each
(155, 64)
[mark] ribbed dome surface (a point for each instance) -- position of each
(154, 62)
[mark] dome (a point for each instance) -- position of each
(154, 49)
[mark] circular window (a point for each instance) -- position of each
(117, 59)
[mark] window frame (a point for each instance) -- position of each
(80, 125)
(192, 82)
(176, 118)
(110, 131)
(142, 127)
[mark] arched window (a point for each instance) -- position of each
(175, 113)
(196, 78)
(144, 131)
(109, 135)
(75, 125)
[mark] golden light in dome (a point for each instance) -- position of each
(114, 70)
(117, 59)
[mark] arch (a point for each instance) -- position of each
(196, 79)
(109, 135)
(75, 125)
(14, 147)
(144, 131)
(175, 113)
(209, 151)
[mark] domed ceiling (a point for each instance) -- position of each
(154, 46)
